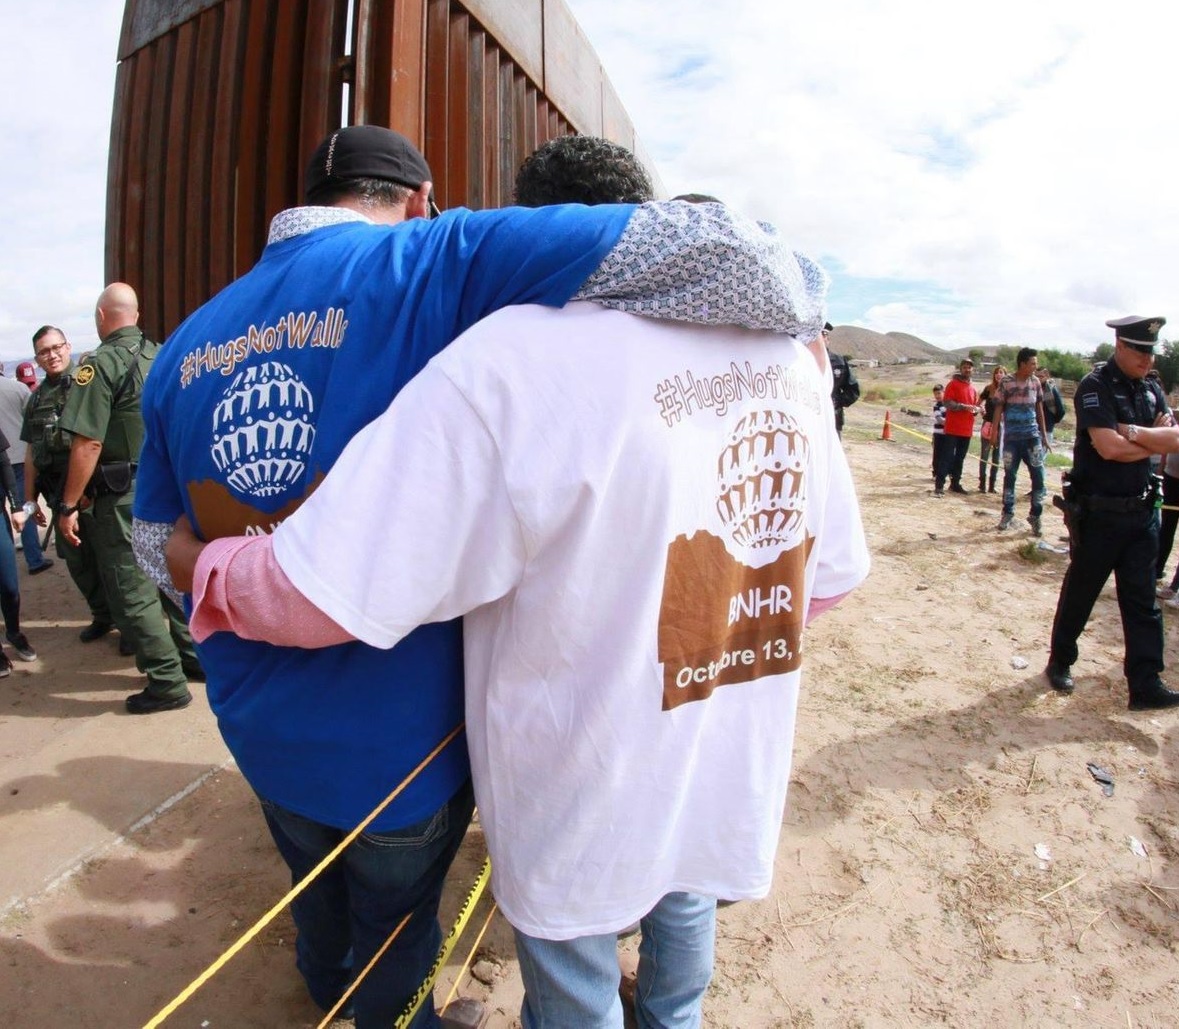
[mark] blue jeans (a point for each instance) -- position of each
(34, 556)
(575, 982)
(9, 584)
(346, 915)
(1030, 453)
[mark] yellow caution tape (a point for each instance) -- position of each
(444, 952)
(298, 888)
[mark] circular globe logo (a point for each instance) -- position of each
(762, 482)
(263, 429)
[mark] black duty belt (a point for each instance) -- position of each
(1120, 505)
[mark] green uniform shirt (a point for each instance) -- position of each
(42, 430)
(104, 401)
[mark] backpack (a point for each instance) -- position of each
(1058, 409)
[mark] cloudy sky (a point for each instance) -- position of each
(991, 173)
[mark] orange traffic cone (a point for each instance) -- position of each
(886, 432)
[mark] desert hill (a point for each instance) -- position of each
(891, 347)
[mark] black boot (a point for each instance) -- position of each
(1153, 697)
(1060, 676)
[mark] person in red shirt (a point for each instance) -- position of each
(961, 399)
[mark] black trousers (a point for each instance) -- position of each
(1125, 544)
(1168, 524)
(953, 455)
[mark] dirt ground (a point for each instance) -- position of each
(946, 856)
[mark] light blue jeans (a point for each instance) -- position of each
(30, 541)
(573, 984)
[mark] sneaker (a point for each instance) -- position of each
(1034, 522)
(1005, 522)
(20, 643)
(958, 488)
(939, 492)
(43, 567)
(144, 703)
(5, 666)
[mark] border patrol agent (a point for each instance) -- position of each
(46, 461)
(1122, 419)
(103, 415)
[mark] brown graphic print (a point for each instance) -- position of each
(723, 620)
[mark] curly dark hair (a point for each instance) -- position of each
(582, 170)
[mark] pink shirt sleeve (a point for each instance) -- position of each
(239, 587)
(817, 606)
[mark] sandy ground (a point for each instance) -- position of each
(946, 857)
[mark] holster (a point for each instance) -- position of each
(113, 478)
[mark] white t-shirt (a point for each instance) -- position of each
(632, 515)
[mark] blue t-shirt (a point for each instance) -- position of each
(246, 409)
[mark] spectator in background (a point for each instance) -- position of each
(9, 584)
(1168, 521)
(1156, 460)
(1019, 412)
(1054, 409)
(845, 388)
(991, 442)
(939, 435)
(961, 400)
(14, 397)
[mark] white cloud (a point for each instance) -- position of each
(1018, 157)
(995, 173)
(57, 83)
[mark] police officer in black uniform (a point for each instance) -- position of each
(1122, 419)
(845, 388)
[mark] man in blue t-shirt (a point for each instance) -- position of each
(1019, 410)
(247, 408)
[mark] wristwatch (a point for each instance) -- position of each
(29, 508)
(68, 509)
(1132, 433)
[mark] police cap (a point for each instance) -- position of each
(1137, 332)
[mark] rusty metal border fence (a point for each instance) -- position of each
(218, 104)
